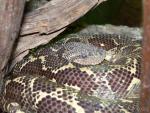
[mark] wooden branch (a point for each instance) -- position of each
(55, 15)
(10, 18)
(145, 93)
(50, 20)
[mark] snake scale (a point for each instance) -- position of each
(82, 73)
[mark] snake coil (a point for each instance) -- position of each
(86, 73)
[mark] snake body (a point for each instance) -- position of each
(85, 73)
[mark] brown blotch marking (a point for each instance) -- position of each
(120, 81)
(74, 76)
(103, 39)
(34, 67)
(54, 62)
(43, 85)
(52, 105)
(13, 91)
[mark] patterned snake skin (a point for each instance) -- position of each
(84, 73)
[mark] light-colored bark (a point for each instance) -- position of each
(10, 18)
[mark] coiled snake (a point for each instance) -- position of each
(86, 73)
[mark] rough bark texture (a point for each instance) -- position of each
(55, 15)
(10, 18)
(46, 22)
(145, 93)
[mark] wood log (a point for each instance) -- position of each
(55, 15)
(10, 18)
(145, 92)
(46, 22)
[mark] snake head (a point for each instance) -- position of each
(84, 54)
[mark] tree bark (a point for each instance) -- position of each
(55, 15)
(145, 93)
(10, 18)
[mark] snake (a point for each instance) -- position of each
(81, 73)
